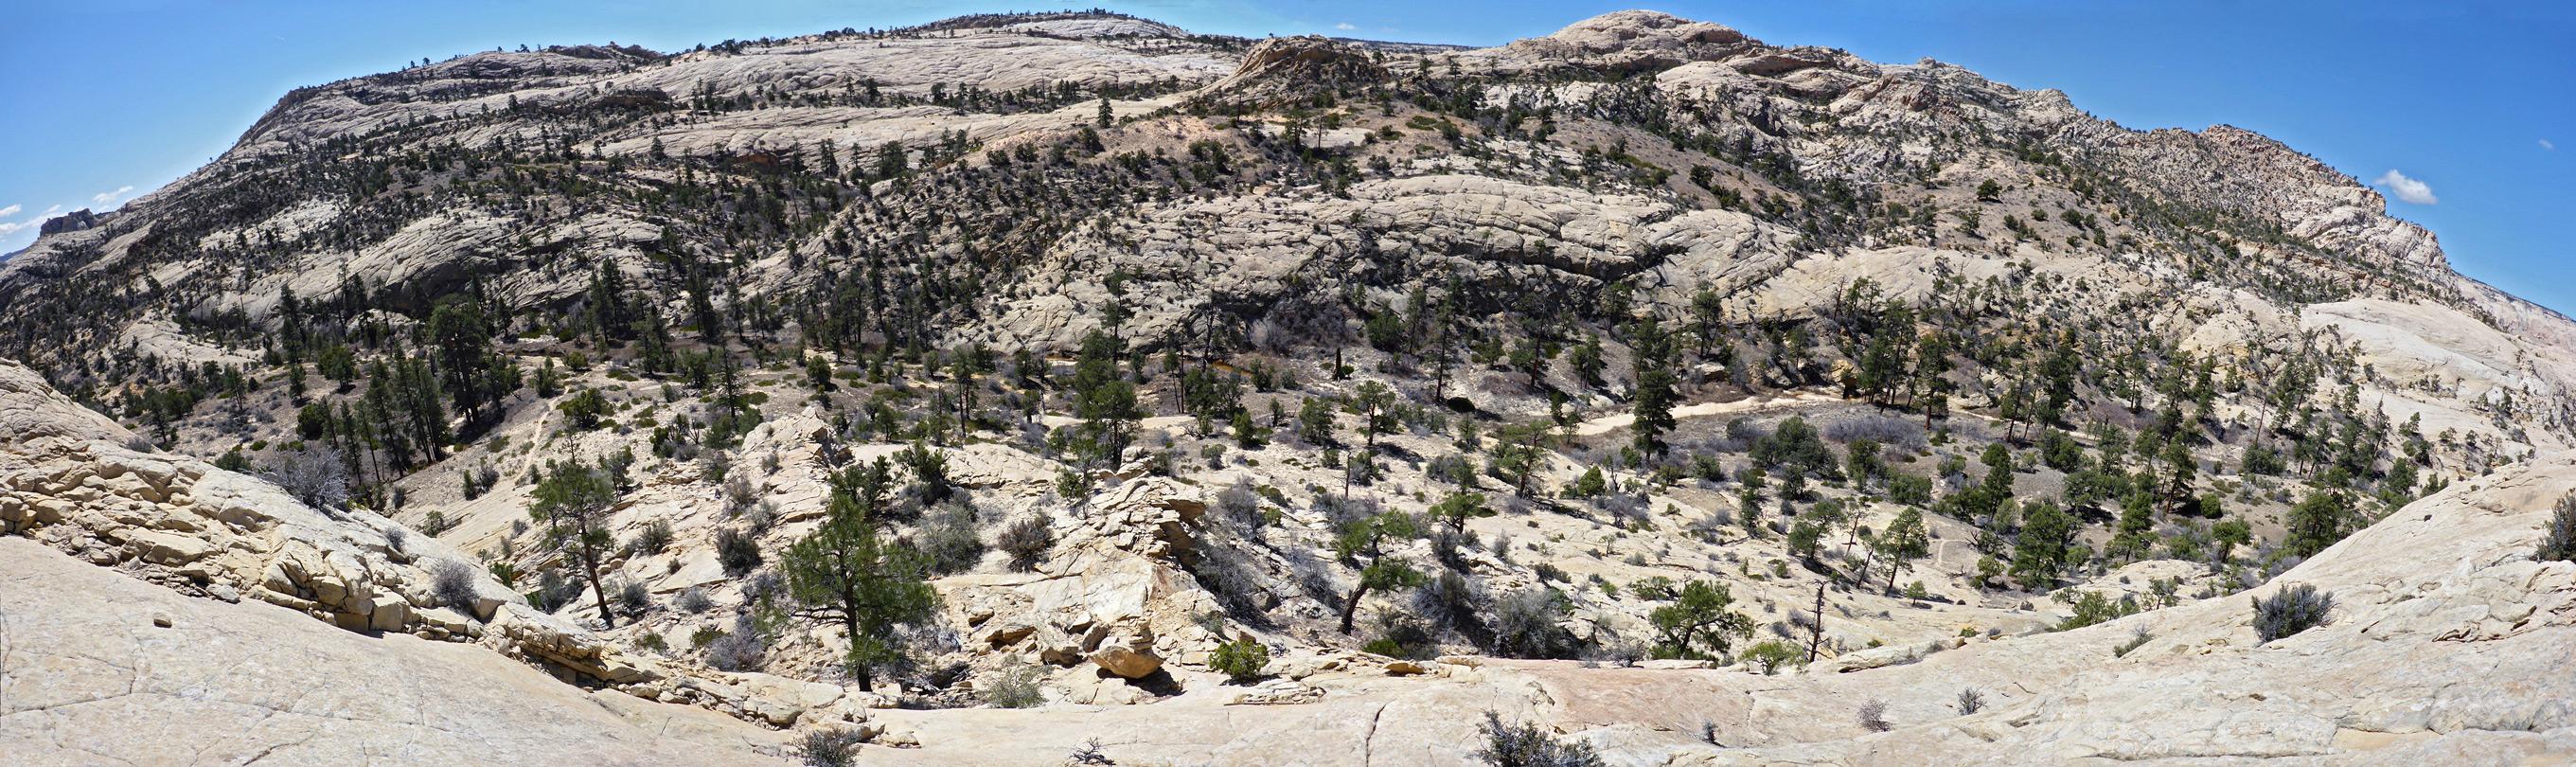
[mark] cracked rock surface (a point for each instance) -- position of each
(88, 676)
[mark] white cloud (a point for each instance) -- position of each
(2544, 144)
(1345, 26)
(7, 228)
(52, 209)
(2406, 189)
(9, 211)
(103, 197)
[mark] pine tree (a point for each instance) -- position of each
(1906, 539)
(2039, 552)
(1460, 507)
(1651, 366)
(464, 346)
(847, 573)
(573, 503)
(1586, 361)
(1106, 403)
(1698, 624)
(1374, 403)
(2180, 469)
(2316, 523)
(1365, 544)
(610, 317)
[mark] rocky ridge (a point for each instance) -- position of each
(1329, 216)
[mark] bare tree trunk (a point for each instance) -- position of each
(1353, 607)
(1816, 631)
(590, 568)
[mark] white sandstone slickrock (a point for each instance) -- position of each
(2446, 648)
(67, 482)
(88, 676)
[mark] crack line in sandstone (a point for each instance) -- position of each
(1368, 743)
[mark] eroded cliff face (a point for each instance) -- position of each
(1348, 281)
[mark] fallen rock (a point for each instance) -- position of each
(1127, 663)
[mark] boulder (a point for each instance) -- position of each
(387, 612)
(1126, 662)
(169, 548)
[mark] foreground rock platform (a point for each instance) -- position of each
(100, 669)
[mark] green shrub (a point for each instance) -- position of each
(584, 410)
(1529, 745)
(1240, 660)
(828, 748)
(738, 553)
(950, 539)
(1015, 688)
(1773, 654)
(1588, 485)
(2295, 608)
(1909, 489)
(653, 539)
(2136, 640)
(1027, 541)
(2092, 608)
(2560, 545)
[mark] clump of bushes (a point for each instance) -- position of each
(1773, 654)
(452, 582)
(738, 553)
(2295, 608)
(741, 649)
(633, 599)
(949, 538)
(1240, 660)
(1526, 624)
(653, 539)
(1014, 688)
(1528, 745)
(1240, 505)
(553, 590)
(1026, 541)
(694, 600)
(828, 748)
(1971, 701)
(2560, 545)
(1873, 716)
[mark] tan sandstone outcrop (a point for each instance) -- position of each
(67, 481)
(97, 668)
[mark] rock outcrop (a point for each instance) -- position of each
(1630, 41)
(100, 668)
(1283, 69)
(68, 482)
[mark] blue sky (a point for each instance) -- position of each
(2476, 102)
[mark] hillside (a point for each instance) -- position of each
(1627, 379)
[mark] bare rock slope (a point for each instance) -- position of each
(98, 668)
